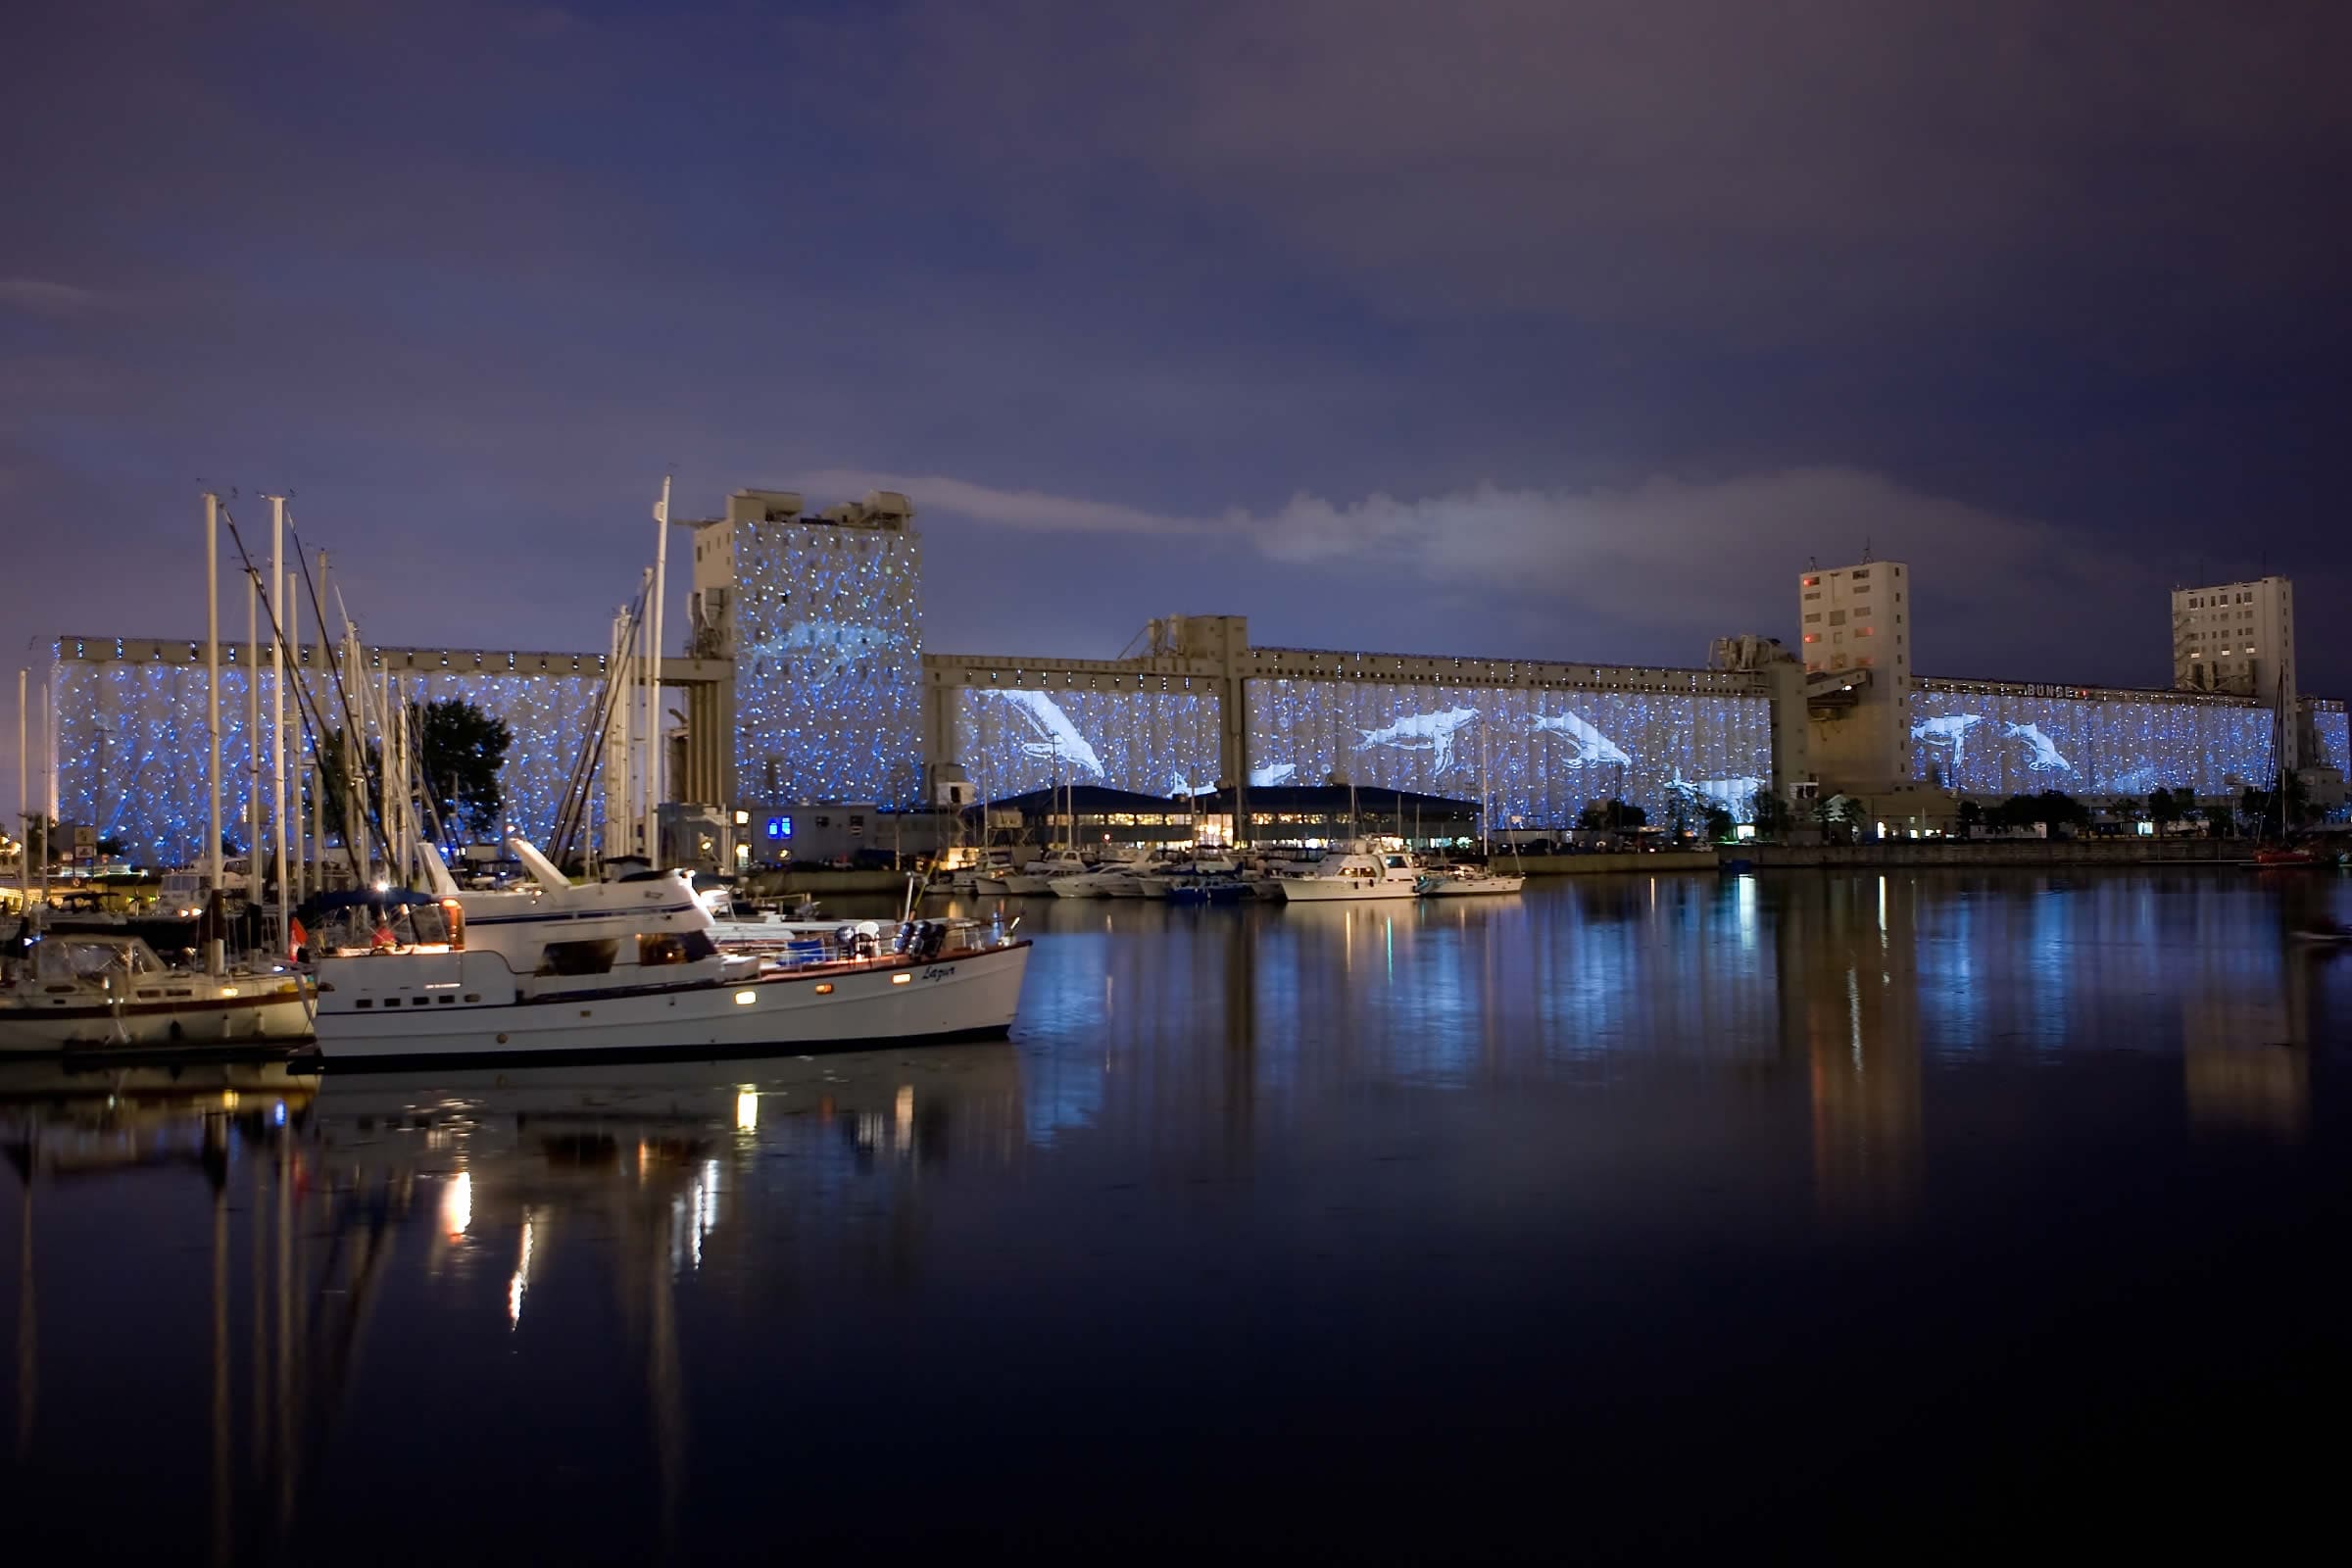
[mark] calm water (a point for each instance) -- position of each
(1892, 1213)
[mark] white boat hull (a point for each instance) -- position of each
(1462, 887)
(1339, 889)
(259, 1012)
(964, 996)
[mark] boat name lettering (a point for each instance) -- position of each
(938, 971)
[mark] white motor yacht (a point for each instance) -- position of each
(631, 965)
(1354, 873)
(100, 990)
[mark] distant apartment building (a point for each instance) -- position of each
(2235, 637)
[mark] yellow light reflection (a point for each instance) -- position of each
(457, 1204)
(906, 1109)
(747, 1108)
(523, 1277)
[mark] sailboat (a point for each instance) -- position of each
(2280, 854)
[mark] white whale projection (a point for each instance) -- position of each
(1586, 744)
(1421, 732)
(1273, 773)
(825, 648)
(2044, 757)
(1734, 795)
(1052, 734)
(1950, 730)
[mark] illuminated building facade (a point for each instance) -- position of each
(822, 616)
(2236, 637)
(131, 740)
(1999, 738)
(1203, 708)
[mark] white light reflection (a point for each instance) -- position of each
(522, 1275)
(747, 1108)
(905, 1110)
(457, 1204)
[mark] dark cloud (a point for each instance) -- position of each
(1630, 308)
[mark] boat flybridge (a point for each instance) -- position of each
(632, 966)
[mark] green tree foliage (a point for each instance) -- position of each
(1769, 812)
(1719, 825)
(1972, 817)
(460, 749)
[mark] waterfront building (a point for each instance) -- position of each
(821, 615)
(2235, 637)
(805, 684)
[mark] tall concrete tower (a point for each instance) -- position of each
(1856, 625)
(823, 614)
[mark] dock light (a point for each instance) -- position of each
(744, 999)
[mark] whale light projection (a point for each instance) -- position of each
(1052, 734)
(1586, 744)
(1421, 732)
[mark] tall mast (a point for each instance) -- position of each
(212, 696)
(25, 814)
(278, 671)
(255, 821)
(653, 683)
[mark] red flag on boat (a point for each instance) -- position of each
(297, 939)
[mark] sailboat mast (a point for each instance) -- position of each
(652, 682)
(212, 690)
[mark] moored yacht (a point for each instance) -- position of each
(632, 966)
(1354, 873)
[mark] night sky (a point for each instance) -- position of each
(1524, 329)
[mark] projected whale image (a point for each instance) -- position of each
(1982, 739)
(1012, 741)
(1422, 732)
(1586, 744)
(1052, 737)
(1536, 755)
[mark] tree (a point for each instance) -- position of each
(1625, 817)
(460, 751)
(1770, 814)
(2165, 808)
(1593, 819)
(1972, 817)
(1719, 825)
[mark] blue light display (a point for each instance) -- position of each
(779, 827)
(1012, 741)
(130, 747)
(1545, 754)
(2001, 741)
(828, 662)
(2333, 734)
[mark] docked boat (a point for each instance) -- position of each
(632, 966)
(1354, 874)
(1456, 881)
(1039, 875)
(100, 991)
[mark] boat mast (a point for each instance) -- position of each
(280, 670)
(653, 683)
(212, 691)
(24, 816)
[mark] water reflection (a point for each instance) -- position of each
(599, 1284)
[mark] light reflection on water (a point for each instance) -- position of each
(1237, 1173)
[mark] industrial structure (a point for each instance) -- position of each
(805, 679)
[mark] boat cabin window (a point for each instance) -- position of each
(62, 958)
(579, 957)
(673, 947)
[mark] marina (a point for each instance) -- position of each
(1495, 1137)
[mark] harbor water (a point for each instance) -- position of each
(1903, 1213)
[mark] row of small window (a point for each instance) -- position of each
(1838, 636)
(2209, 601)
